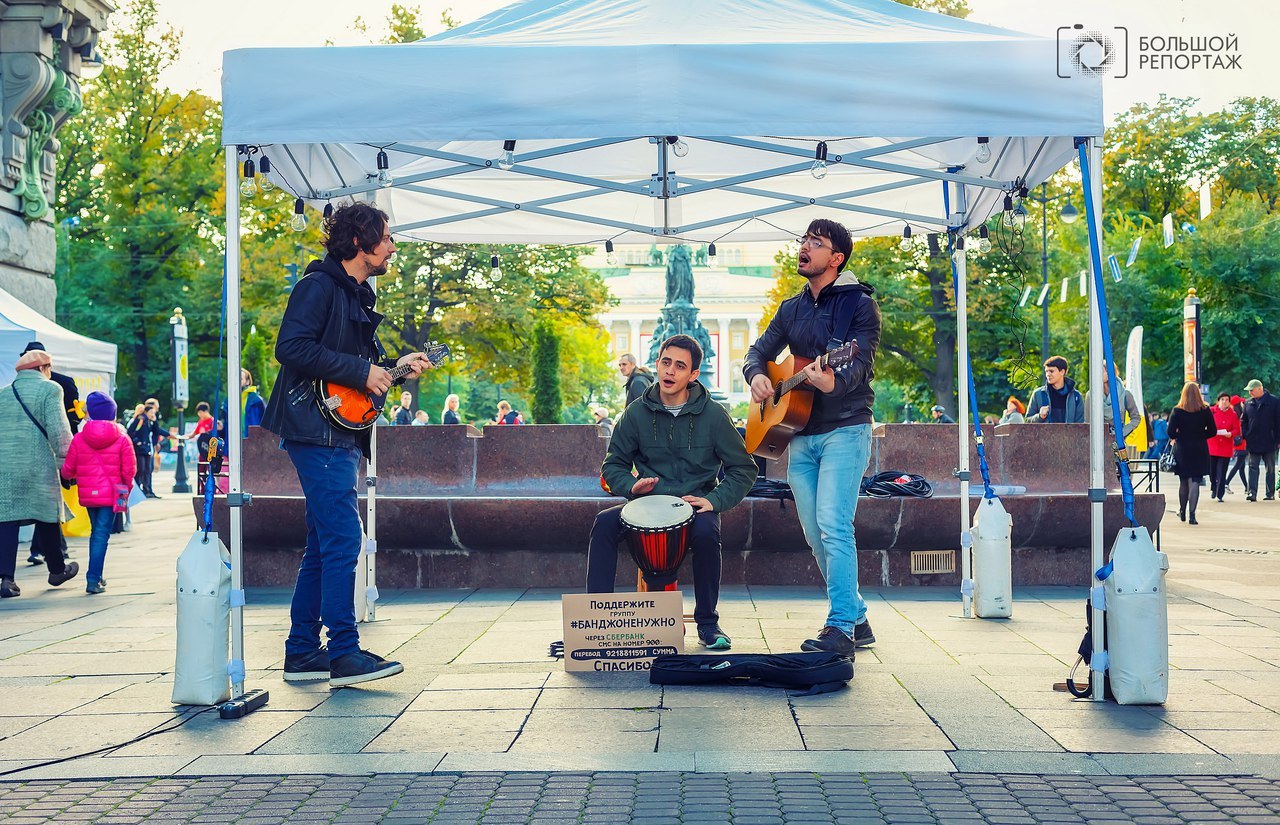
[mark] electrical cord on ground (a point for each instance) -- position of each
(108, 748)
(893, 483)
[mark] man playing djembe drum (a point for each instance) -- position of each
(678, 440)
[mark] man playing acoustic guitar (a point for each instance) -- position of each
(328, 333)
(830, 454)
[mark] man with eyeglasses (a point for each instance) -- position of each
(829, 456)
(328, 332)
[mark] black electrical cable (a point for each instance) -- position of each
(108, 748)
(893, 483)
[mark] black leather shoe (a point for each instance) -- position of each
(361, 666)
(306, 667)
(862, 635)
(9, 589)
(68, 573)
(830, 640)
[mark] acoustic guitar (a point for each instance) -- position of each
(772, 423)
(356, 409)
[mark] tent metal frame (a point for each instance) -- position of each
(665, 185)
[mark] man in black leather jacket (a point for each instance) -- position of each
(829, 456)
(328, 332)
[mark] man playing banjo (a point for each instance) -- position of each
(678, 440)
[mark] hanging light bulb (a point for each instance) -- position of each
(713, 260)
(984, 240)
(959, 242)
(495, 270)
(984, 150)
(384, 170)
(328, 211)
(1018, 216)
(678, 147)
(610, 257)
(265, 168)
(299, 221)
(248, 188)
(1007, 220)
(819, 167)
(905, 244)
(508, 157)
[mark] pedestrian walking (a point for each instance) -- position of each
(142, 430)
(1241, 461)
(102, 463)
(1260, 426)
(1223, 444)
(34, 439)
(1190, 428)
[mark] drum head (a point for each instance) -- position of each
(656, 512)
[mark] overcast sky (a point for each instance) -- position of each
(212, 27)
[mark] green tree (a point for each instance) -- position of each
(255, 356)
(141, 170)
(547, 402)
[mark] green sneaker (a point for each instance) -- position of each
(713, 638)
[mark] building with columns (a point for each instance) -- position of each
(730, 296)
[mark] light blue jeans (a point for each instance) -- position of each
(825, 472)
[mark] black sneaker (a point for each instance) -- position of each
(94, 588)
(306, 667)
(713, 638)
(68, 573)
(862, 635)
(35, 558)
(830, 640)
(361, 666)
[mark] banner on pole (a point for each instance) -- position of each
(1133, 251)
(1167, 223)
(1062, 297)
(1114, 266)
(1206, 201)
(1044, 293)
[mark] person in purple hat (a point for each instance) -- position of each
(102, 462)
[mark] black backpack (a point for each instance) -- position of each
(809, 673)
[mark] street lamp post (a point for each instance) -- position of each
(181, 392)
(1067, 215)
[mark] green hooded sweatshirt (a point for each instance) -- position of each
(684, 452)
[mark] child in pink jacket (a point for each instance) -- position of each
(102, 463)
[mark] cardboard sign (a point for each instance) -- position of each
(621, 632)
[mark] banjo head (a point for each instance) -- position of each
(656, 513)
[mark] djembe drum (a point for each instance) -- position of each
(658, 532)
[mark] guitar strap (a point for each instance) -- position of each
(844, 322)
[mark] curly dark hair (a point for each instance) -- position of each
(354, 228)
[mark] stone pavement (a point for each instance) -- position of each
(938, 694)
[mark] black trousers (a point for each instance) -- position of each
(1218, 475)
(143, 475)
(704, 547)
(46, 535)
(1269, 458)
(1240, 467)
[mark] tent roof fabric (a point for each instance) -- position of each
(583, 86)
(73, 354)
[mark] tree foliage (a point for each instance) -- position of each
(547, 402)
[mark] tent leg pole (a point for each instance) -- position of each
(241, 703)
(1097, 458)
(962, 411)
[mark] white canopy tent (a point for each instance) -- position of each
(643, 120)
(92, 363)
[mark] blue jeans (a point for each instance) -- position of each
(325, 590)
(100, 521)
(825, 473)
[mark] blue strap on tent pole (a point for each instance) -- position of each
(1108, 357)
(968, 365)
(968, 361)
(211, 479)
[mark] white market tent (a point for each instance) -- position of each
(92, 363)
(670, 120)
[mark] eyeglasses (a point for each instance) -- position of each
(812, 241)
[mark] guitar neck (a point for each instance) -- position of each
(399, 372)
(798, 379)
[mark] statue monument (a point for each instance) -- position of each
(46, 46)
(679, 315)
